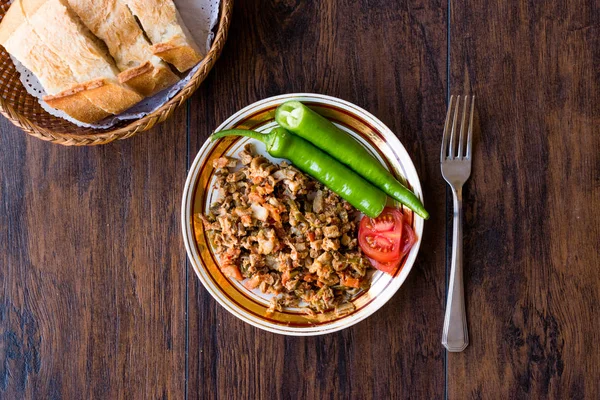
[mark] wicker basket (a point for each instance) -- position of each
(24, 111)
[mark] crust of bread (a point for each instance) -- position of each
(170, 38)
(75, 103)
(30, 7)
(135, 72)
(113, 97)
(25, 45)
(113, 22)
(177, 52)
(148, 79)
(74, 66)
(157, 17)
(104, 97)
(69, 39)
(54, 75)
(60, 29)
(94, 100)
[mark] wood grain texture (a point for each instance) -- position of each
(390, 58)
(97, 299)
(92, 275)
(532, 227)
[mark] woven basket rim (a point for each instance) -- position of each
(105, 136)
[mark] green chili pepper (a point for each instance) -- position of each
(318, 164)
(306, 123)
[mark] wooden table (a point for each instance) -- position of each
(98, 300)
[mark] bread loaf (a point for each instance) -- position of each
(111, 21)
(60, 29)
(170, 39)
(92, 57)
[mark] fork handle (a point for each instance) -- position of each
(455, 336)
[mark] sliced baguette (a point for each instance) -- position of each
(148, 78)
(19, 39)
(64, 34)
(75, 102)
(28, 48)
(69, 39)
(170, 38)
(112, 21)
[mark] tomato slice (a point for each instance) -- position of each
(381, 238)
(388, 267)
(407, 240)
(408, 237)
(232, 271)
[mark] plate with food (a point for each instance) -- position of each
(302, 214)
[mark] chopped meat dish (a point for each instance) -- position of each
(286, 234)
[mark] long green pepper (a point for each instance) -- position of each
(318, 164)
(306, 123)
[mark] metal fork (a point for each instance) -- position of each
(456, 169)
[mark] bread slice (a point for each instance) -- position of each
(70, 40)
(170, 38)
(64, 34)
(19, 39)
(111, 21)
(75, 102)
(28, 48)
(149, 78)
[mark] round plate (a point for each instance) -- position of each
(199, 193)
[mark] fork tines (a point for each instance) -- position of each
(451, 149)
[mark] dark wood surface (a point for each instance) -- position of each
(92, 277)
(532, 233)
(97, 299)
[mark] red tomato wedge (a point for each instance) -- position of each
(381, 238)
(232, 271)
(388, 267)
(406, 238)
